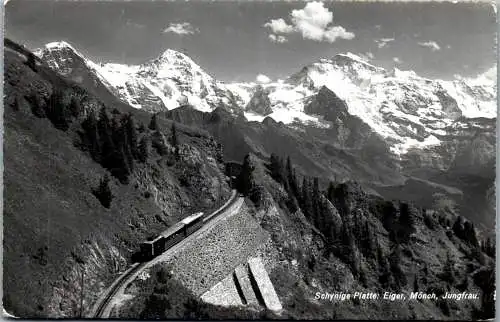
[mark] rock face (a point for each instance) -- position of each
(260, 102)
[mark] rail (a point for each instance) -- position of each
(100, 306)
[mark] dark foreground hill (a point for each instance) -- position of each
(64, 151)
(342, 239)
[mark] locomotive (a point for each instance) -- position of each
(170, 237)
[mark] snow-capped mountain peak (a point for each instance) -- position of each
(60, 55)
(409, 110)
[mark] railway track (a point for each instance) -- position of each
(102, 304)
(99, 311)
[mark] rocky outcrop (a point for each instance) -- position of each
(260, 102)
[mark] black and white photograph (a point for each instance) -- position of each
(249, 160)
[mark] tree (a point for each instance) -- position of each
(159, 143)
(289, 175)
(153, 124)
(174, 140)
(57, 112)
(144, 149)
(316, 212)
(245, 182)
(75, 107)
(106, 139)
(103, 192)
(415, 283)
(448, 273)
(90, 136)
(307, 206)
(131, 132)
(276, 167)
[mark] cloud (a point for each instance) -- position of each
(432, 45)
(279, 26)
(277, 38)
(382, 42)
(367, 56)
(263, 79)
(132, 24)
(397, 60)
(313, 22)
(182, 28)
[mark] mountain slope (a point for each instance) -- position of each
(56, 225)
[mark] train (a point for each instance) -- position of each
(170, 237)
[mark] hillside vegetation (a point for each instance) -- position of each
(85, 182)
(339, 238)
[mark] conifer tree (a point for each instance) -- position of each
(174, 140)
(244, 181)
(91, 136)
(306, 197)
(131, 132)
(144, 149)
(153, 124)
(316, 201)
(103, 192)
(276, 168)
(415, 283)
(448, 273)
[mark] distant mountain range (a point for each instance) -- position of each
(404, 135)
(409, 110)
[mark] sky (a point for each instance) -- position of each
(237, 41)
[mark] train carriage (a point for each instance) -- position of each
(192, 223)
(152, 248)
(171, 236)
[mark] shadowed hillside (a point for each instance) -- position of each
(85, 181)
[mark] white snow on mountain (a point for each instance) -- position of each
(167, 82)
(411, 110)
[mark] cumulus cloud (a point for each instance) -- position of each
(279, 26)
(182, 28)
(432, 45)
(397, 60)
(263, 79)
(277, 38)
(313, 22)
(382, 42)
